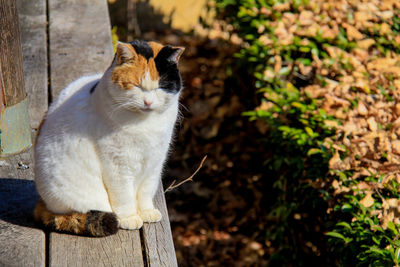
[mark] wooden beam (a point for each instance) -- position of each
(11, 66)
(157, 237)
(21, 242)
(80, 44)
(14, 121)
(2, 99)
(33, 21)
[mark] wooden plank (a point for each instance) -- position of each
(11, 66)
(32, 21)
(14, 120)
(122, 249)
(21, 246)
(20, 243)
(157, 237)
(80, 44)
(80, 40)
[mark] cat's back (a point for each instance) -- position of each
(78, 89)
(66, 127)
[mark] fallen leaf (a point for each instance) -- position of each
(396, 146)
(366, 43)
(373, 126)
(368, 200)
(362, 110)
(352, 32)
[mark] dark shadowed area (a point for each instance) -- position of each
(296, 105)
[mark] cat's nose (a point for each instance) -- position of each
(147, 103)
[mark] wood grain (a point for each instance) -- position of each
(21, 246)
(1, 93)
(11, 66)
(80, 44)
(21, 242)
(157, 237)
(32, 18)
(122, 249)
(80, 40)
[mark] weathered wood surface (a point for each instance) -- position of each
(122, 249)
(21, 243)
(32, 21)
(80, 40)
(157, 237)
(14, 119)
(11, 65)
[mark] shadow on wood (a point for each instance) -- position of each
(17, 201)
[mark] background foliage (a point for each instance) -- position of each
(296, 104)
(314, 66)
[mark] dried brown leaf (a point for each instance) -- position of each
(368, 200)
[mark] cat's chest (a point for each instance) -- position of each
(146, 137)
(136, 150)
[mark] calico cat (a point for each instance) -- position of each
(101, 148)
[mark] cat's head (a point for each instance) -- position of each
(146, 76)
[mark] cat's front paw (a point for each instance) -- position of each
(131, 223)
(151, 215)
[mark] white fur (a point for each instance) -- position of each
(105, 151)
(148, 83)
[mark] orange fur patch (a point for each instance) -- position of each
(151, 66)
(133, 72)
(156, 47)
(74, 222)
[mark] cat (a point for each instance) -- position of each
(102, 145)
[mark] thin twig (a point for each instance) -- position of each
(377, 191)
(173, 185)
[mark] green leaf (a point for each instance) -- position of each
(391, 226)
(314, 151)
(336, 235)
(344, 224)
(375, 240)
(397, 255)
(309, 131)
(346, 207)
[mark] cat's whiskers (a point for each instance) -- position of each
(117, 106)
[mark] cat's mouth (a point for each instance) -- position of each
(146, 109)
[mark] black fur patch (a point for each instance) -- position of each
(100, 223)
(142, 48)
(93, 87)
(170, 78)
(52, 224)
(110, 223)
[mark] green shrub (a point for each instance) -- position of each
(301, 133)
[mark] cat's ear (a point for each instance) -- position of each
(170, 53)
(125, 53)
(176, 54)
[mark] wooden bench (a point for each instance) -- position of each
(61, 41)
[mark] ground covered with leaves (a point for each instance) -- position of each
(296, 104)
